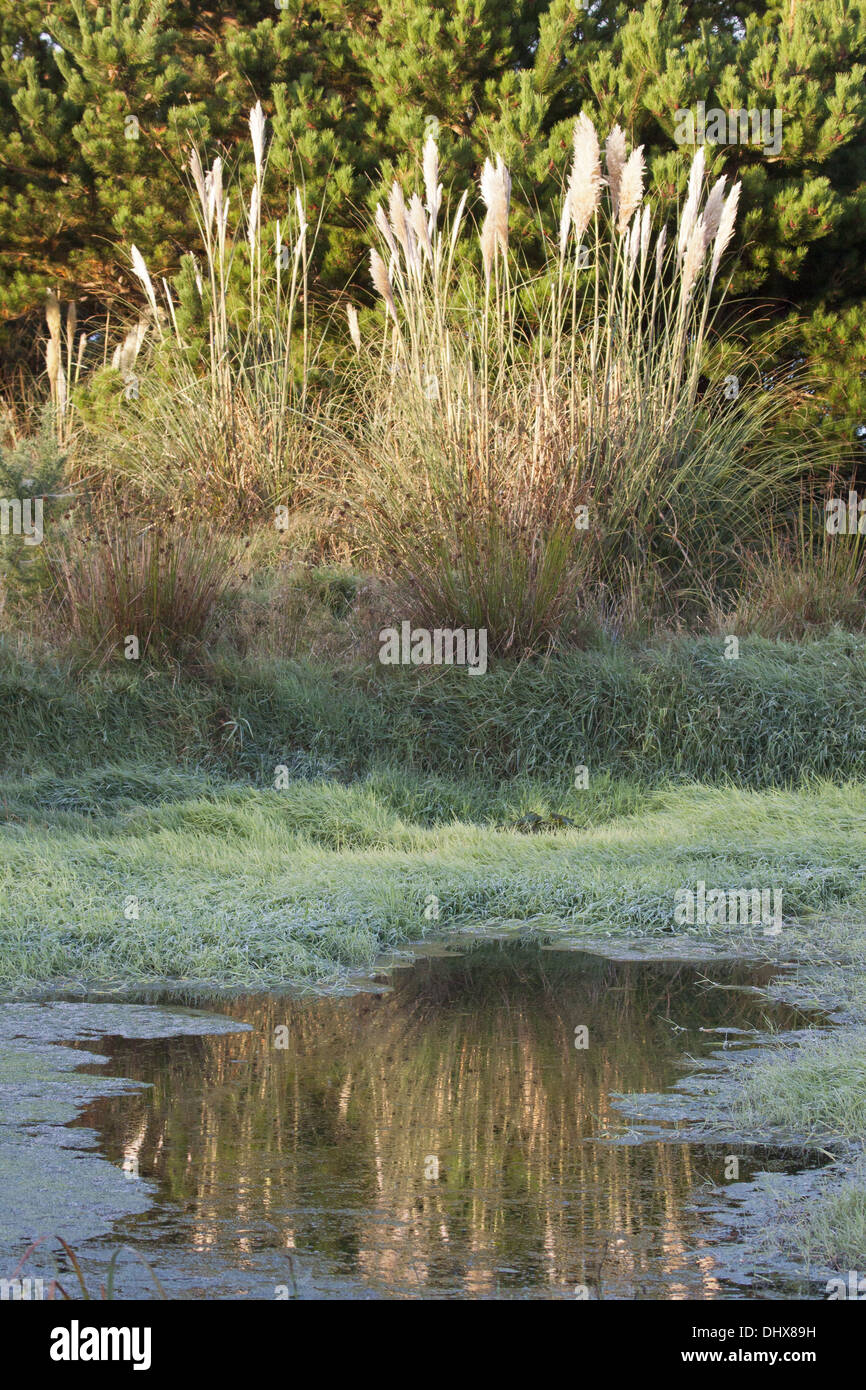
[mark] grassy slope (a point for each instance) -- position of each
(678, 710)
(238, 884)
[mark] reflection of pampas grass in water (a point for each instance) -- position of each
(473, 1065)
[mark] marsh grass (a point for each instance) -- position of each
(672, 709)
(830, 1231)
(818, 1092)
(802, 583)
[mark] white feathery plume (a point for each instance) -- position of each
(257, 131)
(418, 223)
(214, 190)
(141, 271)
(584, 185)
(726, 226)
(496, 192)
(198, 179)
(694, 257)
(382, 282)
(713, 209)
(413, 260)
(384, 228)
(661, 243)
(614, 158)
(397, 214)
(690, 211)
(354, 328)
(630, 188)
(432, 186)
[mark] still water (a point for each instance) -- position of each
(432, 1140)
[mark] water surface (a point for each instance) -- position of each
(434, 1140)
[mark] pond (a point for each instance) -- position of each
(446, 1136)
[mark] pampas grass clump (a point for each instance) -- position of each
(533, 440)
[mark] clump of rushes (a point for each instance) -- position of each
(156, 582)
(532, 439)
(803, 582)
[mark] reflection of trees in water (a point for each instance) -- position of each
(471, 1062)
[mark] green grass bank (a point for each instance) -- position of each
(678, 710)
